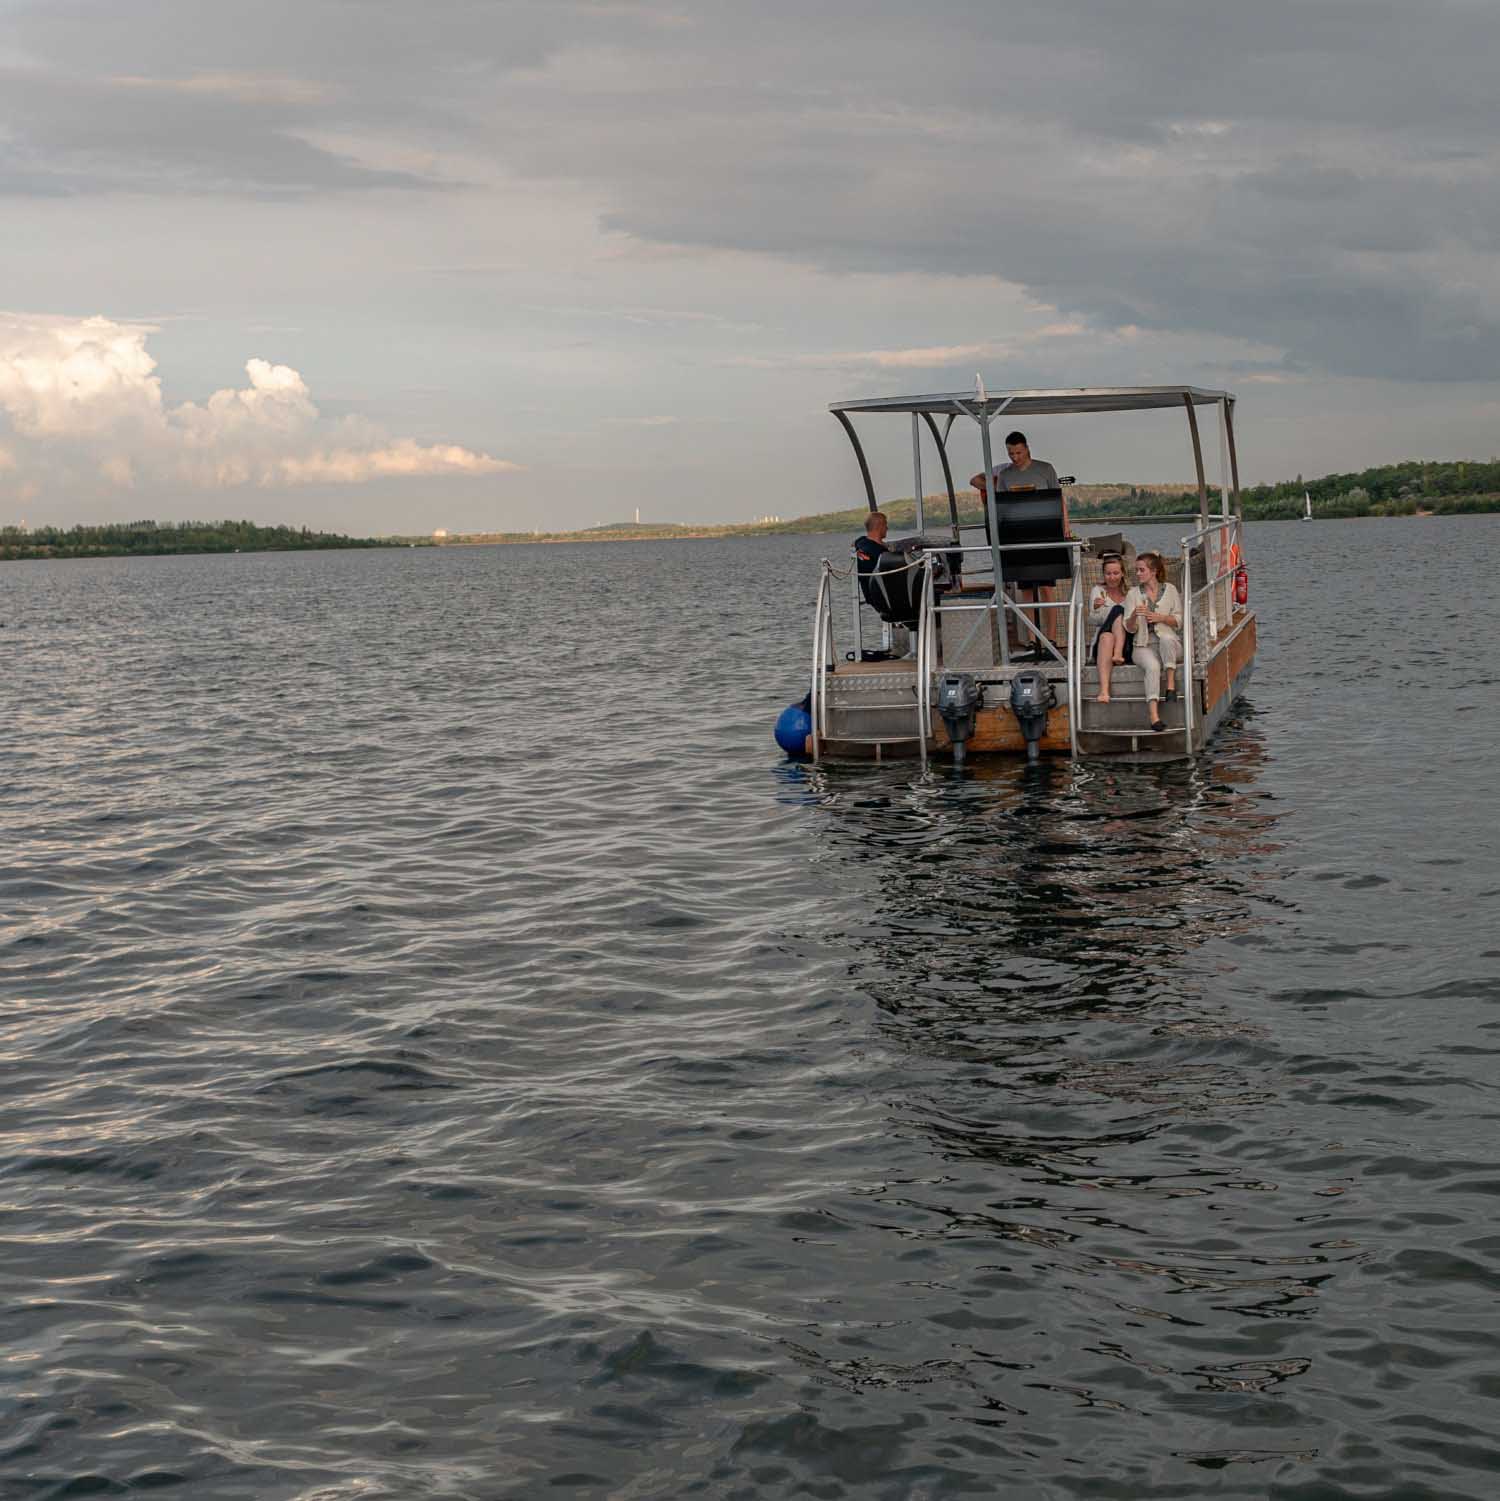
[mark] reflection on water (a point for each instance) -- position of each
(1051, 952)
(1060, 890)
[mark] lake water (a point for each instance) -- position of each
(448, 1053)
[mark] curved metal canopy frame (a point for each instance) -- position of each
(859, 453)
(940, 440)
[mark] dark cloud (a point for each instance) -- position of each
(1313, 175)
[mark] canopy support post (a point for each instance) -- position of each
(1198, 461)
(942, 447)
(1223, 407)
(1234, 463)
(916, 469)
(1001, 621)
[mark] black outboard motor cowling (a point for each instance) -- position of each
(959, 699)
(1031, 695)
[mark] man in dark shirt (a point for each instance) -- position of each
(867, 553)
(867, 549)
(885, 601)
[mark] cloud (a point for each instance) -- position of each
(917, 359)
(82, 397)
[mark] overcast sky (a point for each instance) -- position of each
(386, 265)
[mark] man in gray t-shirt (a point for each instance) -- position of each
(1022, 473)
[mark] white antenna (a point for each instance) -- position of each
(979, 382)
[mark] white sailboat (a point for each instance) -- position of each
(1307, 501)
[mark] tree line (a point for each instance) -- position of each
(1446, 487)
(133, 538)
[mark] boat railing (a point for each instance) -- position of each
(1018, 608)
(1221, 537)
(926, 650)
(1145, 519)
(821, 655)
(1219, 541)
(924, 558)
(1226, 533)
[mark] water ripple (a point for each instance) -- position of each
(448, 1056)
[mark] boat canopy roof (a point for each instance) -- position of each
(1043, 403)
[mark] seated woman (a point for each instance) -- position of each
(1112, 647)
(1153, 610)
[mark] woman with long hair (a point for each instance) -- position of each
(1112, 647)
(1153, 610)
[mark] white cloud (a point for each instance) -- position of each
(82, 397)
(923, 357)
(919, 359)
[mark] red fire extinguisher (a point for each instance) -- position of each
(1241, 585)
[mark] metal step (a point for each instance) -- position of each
(1147, 733)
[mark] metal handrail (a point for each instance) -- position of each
(1075, 690)
(821, 612)
(1071, 544)
(1227, 524)
(1030, 604)
(926, 642)
(1223, 523)
(1187, 647)
(1142, 520)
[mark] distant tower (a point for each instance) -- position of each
(637, 515)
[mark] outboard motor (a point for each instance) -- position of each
(959, 699)
(1031, 695)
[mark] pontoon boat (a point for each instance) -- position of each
(968, 663)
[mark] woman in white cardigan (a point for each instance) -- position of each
(1153, 610)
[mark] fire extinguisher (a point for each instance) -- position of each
(1241, 585)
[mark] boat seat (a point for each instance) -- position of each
(892, 588)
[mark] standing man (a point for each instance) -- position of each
(1024, 473)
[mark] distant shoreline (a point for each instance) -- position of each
(1419, 488)
(13, 554)
(177, 539)
(899, 522)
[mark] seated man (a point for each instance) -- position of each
(868, 548)
(892, 596)
(1021, 474)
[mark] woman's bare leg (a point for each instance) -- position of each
(1102, 656)
(1117, 631)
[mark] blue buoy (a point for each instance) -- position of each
(793, 728)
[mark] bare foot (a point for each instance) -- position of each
(1119, 659)
(1103, 698)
